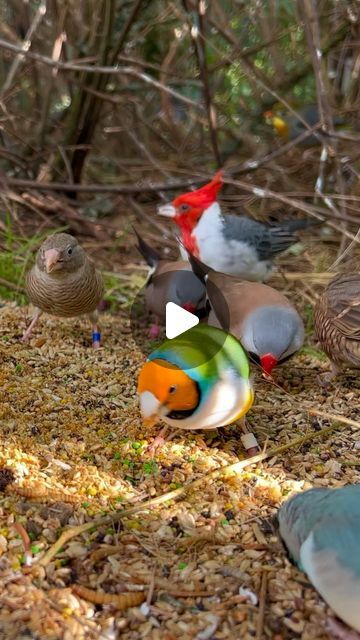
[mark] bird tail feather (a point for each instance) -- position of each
(150, 255)
(297, 225)
(200, 269)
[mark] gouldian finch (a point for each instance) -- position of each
(337, 322)
(262, 318)
(170, 281)
(231, 244)
(64, 282)
(199, 380)
(321, 531)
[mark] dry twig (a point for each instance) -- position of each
(237, 467)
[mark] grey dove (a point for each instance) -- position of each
(320, 529)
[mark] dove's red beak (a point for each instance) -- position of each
(51, 257)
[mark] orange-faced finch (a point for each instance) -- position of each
(198, 380)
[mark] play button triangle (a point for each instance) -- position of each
(178, 320)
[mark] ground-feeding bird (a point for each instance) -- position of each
(320, 529)
(64, 282)
(262, 318)
(170, 281)
(337, 322)
(231, 244)
(199, 380)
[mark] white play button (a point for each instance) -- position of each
(178, 320)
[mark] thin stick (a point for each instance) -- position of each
(23, 48)
(11, 285)
(126, 29)
(262, 604)
(142, 187)
(197, 34)
(332, 416)
(237, 467)
(115, 70)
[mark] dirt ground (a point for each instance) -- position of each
(207, 565)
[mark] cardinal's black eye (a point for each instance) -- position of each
(69, 251)
(184, 207)
(172, 389)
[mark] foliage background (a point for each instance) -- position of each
(108, 107)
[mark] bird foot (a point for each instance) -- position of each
(340, 631)
(162, 437)
(154, 331)
(324, 379)
(26, 335)
(250, 444)
(253, 451)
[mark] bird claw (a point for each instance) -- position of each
(157, 443)
(162, 437)
(253, 451)
(340, 631)
(325, 379)
(154, 331)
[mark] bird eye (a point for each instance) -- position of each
(184, 207)
(69, 251)
(172, 389)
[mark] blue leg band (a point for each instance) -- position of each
(96, 336)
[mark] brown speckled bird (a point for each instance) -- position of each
(64, 282)
(337, 322)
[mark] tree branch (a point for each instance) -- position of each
(114, 70)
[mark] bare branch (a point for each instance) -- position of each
(115, 70)
(23, 48)
(197, 34)
(126, 29)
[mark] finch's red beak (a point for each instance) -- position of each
(51, 258)
(268, 362)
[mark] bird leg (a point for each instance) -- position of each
(248, 439)
(154, 330)
(324, 379)
(340, 631)
(162, 437)
(32, 324)
(96, 336)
